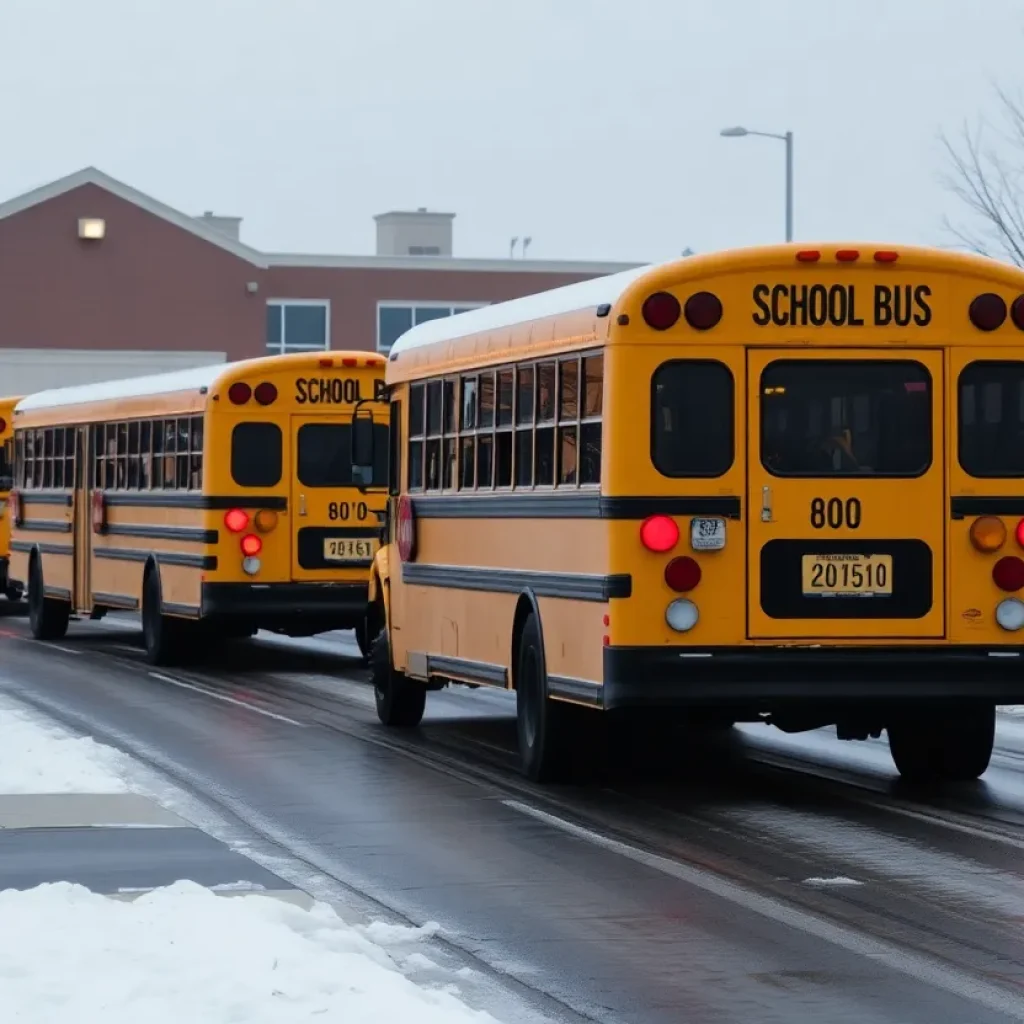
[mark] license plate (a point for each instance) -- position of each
(707, 534)
(847, 575)
(344, 549)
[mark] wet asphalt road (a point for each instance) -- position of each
(752, 877)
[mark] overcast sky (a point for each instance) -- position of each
(592, 125)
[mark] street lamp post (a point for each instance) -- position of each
(738, 132)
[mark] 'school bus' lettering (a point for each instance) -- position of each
(336, 391)
(559, 461)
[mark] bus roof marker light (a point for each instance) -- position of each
(659, 534)
(349, 361)
(236, 520)
(1017, 312)
(1008, 573)
(239, 393)
(703, 310)
(988, 534)
(847, 255)
(661, 311)
(265, 393)
(808, 256)
(325, 363)
(886, 256)
(987, 312)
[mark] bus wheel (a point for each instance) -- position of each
(14, 592)
(47, 618)
(400, 701)
(363, 638)
(952, 746)
(540, 721)
(158, 630)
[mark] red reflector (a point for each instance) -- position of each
(987, 312)
(3, 424)
(239, 393)
(1020, 533)
(1008, 573)
(236, 520)
(265, 393)
(682, 574)
(324, 363)
(251, 545)
(886, 256)
(808, 256)
(847, 255)
(661, 311)
(349, 362)
(1016, 314)
(703, 310)
(659, 533)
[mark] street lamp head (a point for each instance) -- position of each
(734, 133)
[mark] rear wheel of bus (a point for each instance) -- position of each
(944, 746)
(161, 634)
(47, 617)
(400, 700)
(542, 723)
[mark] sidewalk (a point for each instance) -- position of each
(113, 906)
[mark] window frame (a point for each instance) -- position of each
(282, 348)
(1017, 363)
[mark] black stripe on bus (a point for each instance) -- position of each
(208, 562)
(986, 506)
(44, 547)
(187, 499)
(162, 532)
(65, 498)
(568, 585)
(477, 671)
(570, 505)
(125, 601)
(46, 525)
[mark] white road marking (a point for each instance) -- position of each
(838, 880)
(226, 698)
(58, 647)
(929, 971)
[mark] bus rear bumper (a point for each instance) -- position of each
(764, 679)
(298, 609)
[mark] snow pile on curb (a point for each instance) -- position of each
(36, 757)
(183, 953)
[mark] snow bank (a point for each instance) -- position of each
(184, 953)
(36, 757)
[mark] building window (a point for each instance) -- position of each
(298, 326)
(395, 318)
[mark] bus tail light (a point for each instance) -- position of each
(682, 574)
(988, 534)
(1016, 315)
(1010, 614)
(236, 520)
(265, 520)
(659, 534)
(987, 312)
(239, 393)
(251, 545)
(661, 311)
(682, 615)
(251, 566)
(265, 393)
(703, 310)
(1008, 573)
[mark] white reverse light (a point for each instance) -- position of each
(251, 566)
(1010, 614)
(682, 615)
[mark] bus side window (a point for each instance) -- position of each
(395, 462)
(417, 426)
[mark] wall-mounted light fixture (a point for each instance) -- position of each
(91, 228)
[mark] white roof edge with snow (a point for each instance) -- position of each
(555, 302)
(193, 379)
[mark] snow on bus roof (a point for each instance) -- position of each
(568, 299)
(192, 379)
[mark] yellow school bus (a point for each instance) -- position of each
(781, 483)
(9, 588)
(216, 501)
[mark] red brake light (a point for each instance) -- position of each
(1008, 573)
(659, 533)
(236, 520)
(886, 256)
(265, 393)
(239, 393)
(661, 311)
(1020, 533)
(703, 310)
(1017, 312)
(987, 312)
(682, 574)
(251, 545)
(847, 255)
(808, 256)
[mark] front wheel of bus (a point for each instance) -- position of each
(47, 618)
(540, 721)
(953, 746)
(400, 701)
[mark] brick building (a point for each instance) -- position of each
(98, 280)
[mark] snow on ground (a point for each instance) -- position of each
(183, 953)
(39, 757)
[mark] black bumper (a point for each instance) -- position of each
(283, 602)
(767, 678)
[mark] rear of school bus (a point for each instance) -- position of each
(9, 588)
(829, 446)
(297, 455)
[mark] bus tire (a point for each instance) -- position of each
(362, 632)
(400, 701)
(541, 722)
(47, 617)
(950, 746)
(159, 632)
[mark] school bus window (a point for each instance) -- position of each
(846, 418)
(432, 459)
(325, 455)
(467, 424)
(486, 406)
(450, 435)
(692, 418)
(568, 406)
(590, 419)
(544, 444)
(256, 454)
(484, 459)
(525, 380)
(417, 424)
(991, 418)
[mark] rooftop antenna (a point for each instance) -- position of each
(512, 248)
(526, 244)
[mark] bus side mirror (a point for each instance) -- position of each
(383, 521)
(362, 449)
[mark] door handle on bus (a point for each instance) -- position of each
(766, 504)
(302, 504)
